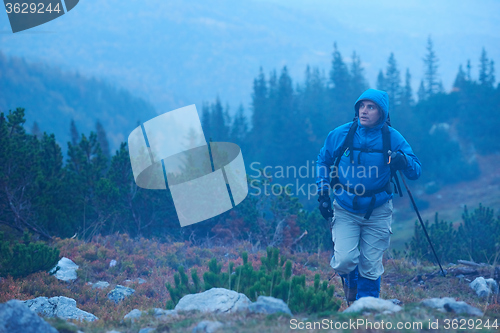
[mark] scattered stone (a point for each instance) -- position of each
(67, 270)
(484, 287)
(207, 326)
(462, 307)
(112, 263)
(119, 293)
(138, 280)
(268, 305)
(451, 305)
(133, 315)
(395, 301)
(493, 285)
(59, 306)
(214, 300)
(99, 285)
(164, 314)
(146, 330)
(16, 317)
(373, 304)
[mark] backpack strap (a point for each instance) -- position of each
(350, 139)
(345, 146)
(386, 141)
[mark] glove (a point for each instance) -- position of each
(398, 161)
(325, 206)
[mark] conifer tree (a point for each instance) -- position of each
(422, 93)
(219, 127)
(469, 69)
(73, 131)
(484, 69)
(393, 83)
(491, 74)
(358, 81)
(239, 129)
(460, 79)
(206, 119)
(340, 81)
(381, 81)
(35, 130)
(407, 100)
(102, 139)
(431, 70)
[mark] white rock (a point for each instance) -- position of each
(214, 300)
(493, 285)
(373, 304)
(133, 315)
(119, 293)
(207, 326)
(164, 314)
(451, 305)
(483, 287)
(100, 285)
(112, 263)
(15, 316)
(67, 269)
(268, 305)
(59, 306)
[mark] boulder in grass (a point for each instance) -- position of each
(16, 317)
(448, 304)
(133, 315)
(207, 326)
(164, 314)
(484, 287)
(59, 306)
(373, 304)
(214, 300)
(67, 270)
(99, 285)
(269, 305)
(119, 293)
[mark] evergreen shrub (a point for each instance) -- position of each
(24, 258)
(477, 238)
(274, 278)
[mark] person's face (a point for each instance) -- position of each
(369, 113)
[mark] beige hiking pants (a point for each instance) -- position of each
(359, 241)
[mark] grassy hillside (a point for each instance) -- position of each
(408, 281)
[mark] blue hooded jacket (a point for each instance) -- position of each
(373, 172)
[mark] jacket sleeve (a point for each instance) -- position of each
(328, 154)
(414, 168)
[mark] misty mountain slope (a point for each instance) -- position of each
(176, 53)
(52, 98)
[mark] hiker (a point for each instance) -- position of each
(360, 158)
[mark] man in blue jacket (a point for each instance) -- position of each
(361, 157)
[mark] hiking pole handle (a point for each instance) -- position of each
(421, 222)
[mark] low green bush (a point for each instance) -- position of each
(24, 258)
(274, 278)
(477, 238)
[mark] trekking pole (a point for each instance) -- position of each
(421, 222)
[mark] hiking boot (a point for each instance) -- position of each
(350, 293)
